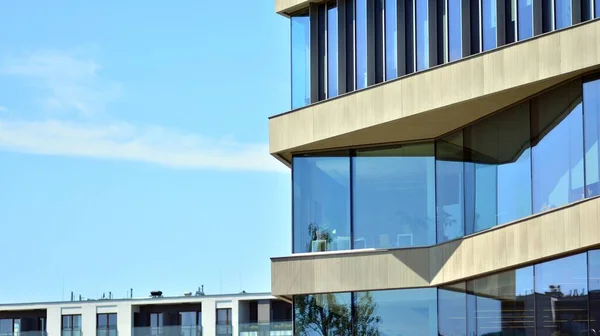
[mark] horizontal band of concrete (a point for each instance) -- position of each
(431, 103)
(554, 233)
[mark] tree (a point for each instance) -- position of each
(322, 314)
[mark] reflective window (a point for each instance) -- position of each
(563, 13)
(300, 60)
(397, 312)
(452, 310)
(591, 103)
(499, 170)
(422, 34)
(332, 51)
(321, 220)
(391, 39)
(557, 131)
(505, 303)
(561, 296)
(188, 318)
(597, 9)
(156, 320)
(489, 24)
(594, 288)
(450, 187)
(361, 44)
(454, 29)
(323, 315)
(394, 197)
(525, 24)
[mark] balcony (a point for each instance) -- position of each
(224, 329)
(266, 329)
(167, 331)
(69, 332)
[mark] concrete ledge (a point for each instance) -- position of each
(554, 233)
(434, 102)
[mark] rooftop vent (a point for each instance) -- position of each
(156, 294)
(187, 294)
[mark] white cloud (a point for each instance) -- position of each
(122, 141)
(69, 83)
(72, 86)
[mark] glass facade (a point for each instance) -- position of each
(377, 29)
(556, 297)
(500, 169)
(300, 60)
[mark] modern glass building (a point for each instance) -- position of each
(445, 167)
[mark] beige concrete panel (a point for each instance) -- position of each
(287, 7)
(561, 231)
(433, 102)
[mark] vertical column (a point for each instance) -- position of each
(209, 317)
(318, 55)
(475, 26)
(53, 321)
(537, 17)
(346, 46)
(375, 61)
(88, 320)
(124, 319)
(402, 38)
(432, 20)
(575, 11)
(465, 27)
(500, 23)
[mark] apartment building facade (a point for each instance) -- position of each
(445, 167)
(245, 314)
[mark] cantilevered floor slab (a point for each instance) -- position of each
(558, 232)
(433, 102)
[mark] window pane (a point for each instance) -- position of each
(452, 310)
(422, 25)
(16, 325)
(76, 321)
(594, 290)
(323, 314)
(450, 187)
(499, 170)
(332, 51)
(394, 197)
(67, 322)
(361, 44)
(591, 103)
(321, 203)
(455, 29)
(561, 296)
(6, 326)
(556, 120)
(489, 24)
(391, 39)
(102, 321)
(397, 312)
(300, 60)
(505, 303)
(187, 318)
(563, 13)
(112, 320)
(525, 19)
(597, 9)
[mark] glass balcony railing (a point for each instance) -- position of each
(168, 331)
(266, 329)
(71, 332)
(25, 333)
(107, 332)
(224, 329)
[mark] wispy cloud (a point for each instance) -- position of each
(73, 86)
(69, 82)
(122, 141)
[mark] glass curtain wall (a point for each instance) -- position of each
(455, 44)
(300, 60)
(497, 170)
(525, 19)
(556, 297)
(391, 39)
(422, 33)
(489, 24)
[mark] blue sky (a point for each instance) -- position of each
(134, 147)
